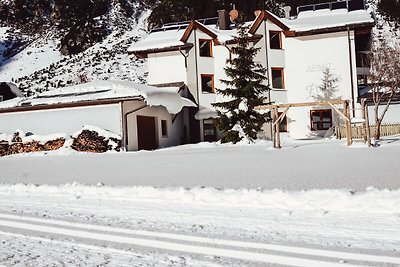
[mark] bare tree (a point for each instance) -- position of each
(384, 62)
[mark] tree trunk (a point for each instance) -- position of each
(378, 130)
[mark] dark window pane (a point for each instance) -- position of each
(277, 78)
(321, 119)
(207, 83)
(275, 40)
(205, 48)
(164, 128)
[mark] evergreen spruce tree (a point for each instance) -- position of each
(245, 90)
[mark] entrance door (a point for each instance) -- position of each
(146, 129)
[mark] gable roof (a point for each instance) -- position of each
(266, 15)
(194, 24)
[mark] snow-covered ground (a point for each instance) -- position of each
(307, 164)
(284, 210)
(143, 226)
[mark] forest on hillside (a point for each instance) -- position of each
(165, 11)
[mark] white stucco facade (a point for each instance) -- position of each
(309, 44)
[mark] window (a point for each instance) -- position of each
(275, 41)
(164, 128)
(209, 131)
(1, 98)
(278, 78)
(205, 48)
(207, 83)
(321, 119)
(283, 125)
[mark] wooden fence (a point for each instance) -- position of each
(357, 131)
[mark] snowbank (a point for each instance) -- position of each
(372, 200)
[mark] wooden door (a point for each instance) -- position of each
(146, 130)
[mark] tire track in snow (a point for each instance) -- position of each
(190, 248)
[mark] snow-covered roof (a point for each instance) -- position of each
(105, 90)
(170, 36)
(159, 40)
(326, 18)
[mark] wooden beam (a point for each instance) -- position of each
(280, 118)
(339, 112)
(303, 104)
(278, 135)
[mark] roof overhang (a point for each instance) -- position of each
(367, 26)
(71, 104)
(145, 53)
(253, 38)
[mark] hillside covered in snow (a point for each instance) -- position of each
(56, 53)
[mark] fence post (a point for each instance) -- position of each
(348, 124)
(368, 128)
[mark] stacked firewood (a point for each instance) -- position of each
(91, 141)
(16, 146)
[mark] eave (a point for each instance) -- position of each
(361, 26)
(145, 53)
(83, 103)
(254, 38)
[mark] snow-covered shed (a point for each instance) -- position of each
(145, 117)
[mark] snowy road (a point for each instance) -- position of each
(79, 225)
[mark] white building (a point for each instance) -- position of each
(144, 116)
(295, 51)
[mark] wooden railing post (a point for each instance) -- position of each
(274, 118)
(348, 123)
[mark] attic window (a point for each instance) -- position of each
(275, 40)
(205, 48)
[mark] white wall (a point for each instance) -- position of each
(306, 58)
(175, 130)
(65, 120)
(166, 67)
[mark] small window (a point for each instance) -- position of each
(275, 40)
(283, 125)
(321, 119)
(207, 83)
(205, 48)
(164, 128)
(278, 78)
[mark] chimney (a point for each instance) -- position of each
(287, 10)
(224, 20)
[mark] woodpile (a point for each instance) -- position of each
(91, 141)
(16, 146)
